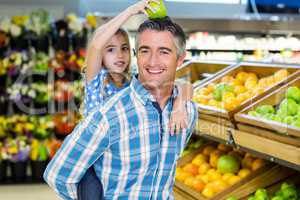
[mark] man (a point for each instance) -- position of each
(127, 140)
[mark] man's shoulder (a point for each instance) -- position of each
(116, 100)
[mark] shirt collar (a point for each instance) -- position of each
(143, 94)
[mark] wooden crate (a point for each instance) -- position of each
(294, 179)
(198, 72)
(262, 177)
(261, 70)
(268, 128)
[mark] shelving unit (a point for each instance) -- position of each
(274, 151)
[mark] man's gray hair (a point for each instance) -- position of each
(165, 24)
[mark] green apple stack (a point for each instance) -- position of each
(288, 111)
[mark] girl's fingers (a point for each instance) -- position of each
(150, 8)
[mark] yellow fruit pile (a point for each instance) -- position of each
(202, 175)
(244, 86)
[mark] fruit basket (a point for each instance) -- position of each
(276, 116)
(221, 97)
(198, 72)
(217, 171)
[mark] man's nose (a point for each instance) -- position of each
(154, 60)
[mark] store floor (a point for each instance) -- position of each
(27, 192)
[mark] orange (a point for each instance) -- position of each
(247, 162)
(252, 76)
(189, 181)
(239, 89)
(203, 168)
(191, 168)
(211, 171)
(236, 82)
(242, 76)
(219, 185)
(227, 79)
(224, 148)
(262, 82)
(211, 87)
(234, 179)
(244, 172)
(280, 75)
(231, 103)
(227, 176)
(270, 81)
(258, 163)
(208, 150)
(215, 176)
(213, 103)
(202, 99)
(227, 95)
(182, 176)
(198, 185)
(205, 178)
(208, 191)
(258, 90)
(250, 84)
(203, 91)
(199, 159)
(213, 159)
(249, 155)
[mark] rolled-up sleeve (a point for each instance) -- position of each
(79, 151)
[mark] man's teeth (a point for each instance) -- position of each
(152, 71)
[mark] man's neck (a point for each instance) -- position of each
(161, 95)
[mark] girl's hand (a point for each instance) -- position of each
(141, 6)
(179, 119)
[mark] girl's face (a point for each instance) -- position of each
(116, 54)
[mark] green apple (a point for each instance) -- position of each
(160, 10)
(261, 194)
(264, 109)
(288, 120)
(220, 89)
(253, 113)
(289, 106)
(293, 93)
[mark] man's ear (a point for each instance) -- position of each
(181, 59)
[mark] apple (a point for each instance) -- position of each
(264, 109)
(293, 93)
(289, 106)
(160, 10)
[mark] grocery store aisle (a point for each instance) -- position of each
(27, 192)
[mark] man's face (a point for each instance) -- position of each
(156, 58)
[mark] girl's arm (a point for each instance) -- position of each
(103, 34)
(179, 115)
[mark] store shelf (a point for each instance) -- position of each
(274, 151)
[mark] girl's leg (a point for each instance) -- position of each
(90, 187)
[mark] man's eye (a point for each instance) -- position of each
(125, 48)
(164, 52)
(143, 51)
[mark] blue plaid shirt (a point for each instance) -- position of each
(128, 144)
(96, 93)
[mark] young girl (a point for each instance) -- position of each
(107, 72)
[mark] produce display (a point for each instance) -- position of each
(286, 192)
(232, 91)
(216, 168)
(287, 112)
